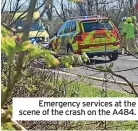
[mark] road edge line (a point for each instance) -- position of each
(90, 77)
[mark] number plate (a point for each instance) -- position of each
(99, 35)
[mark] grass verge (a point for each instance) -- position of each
(89, 90)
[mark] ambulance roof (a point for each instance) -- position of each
(35, 15)
(87, 18)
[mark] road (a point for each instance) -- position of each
(122, 63)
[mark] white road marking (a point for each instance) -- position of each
(129, 59)
(74, 75)
(133, 59)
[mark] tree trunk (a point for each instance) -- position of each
(82, 10)
(49, 8)
(26, 28)
(97, 10)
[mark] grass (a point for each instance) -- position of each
(82, 89)
(110, 125)
(89, 90)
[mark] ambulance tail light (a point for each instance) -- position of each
(117, 34)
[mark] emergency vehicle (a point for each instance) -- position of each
(95, 35)
(38, 33)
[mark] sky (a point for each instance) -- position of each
(56, 2)
(11, 3)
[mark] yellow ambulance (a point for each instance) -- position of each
(38, 32)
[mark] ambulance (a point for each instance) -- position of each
(94, 35)
(38, 32)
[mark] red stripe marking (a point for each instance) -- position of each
(108, 37)
(92, 38)
(84, 35)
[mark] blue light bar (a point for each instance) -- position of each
(86, 17)
(33, 40)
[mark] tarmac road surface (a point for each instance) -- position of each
(122, 63)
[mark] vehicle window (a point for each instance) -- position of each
(67, 27)
(18, 23)
(35, 26)
(90, 26)
(73, 26)
(61, 30)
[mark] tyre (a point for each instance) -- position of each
(69, 49)
(113, 56)
(90, 55)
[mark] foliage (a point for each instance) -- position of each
(11, 51)
(10, 48)
(89, 90)
(7, 126)
(106, 69)
(13, 67)
(76, 0)
(31, 84)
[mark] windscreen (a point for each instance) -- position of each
(37, 26)
(96, 25)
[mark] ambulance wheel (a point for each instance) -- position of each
(69, 49)
(113, 56)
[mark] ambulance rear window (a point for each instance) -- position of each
(37, 26)
(96, 25)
